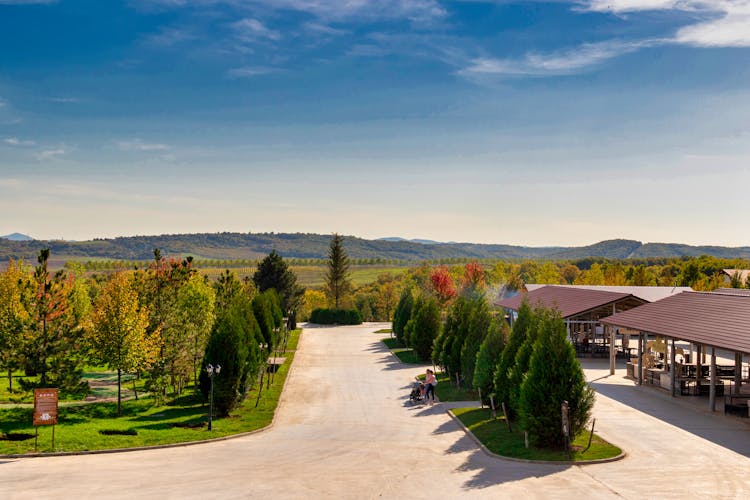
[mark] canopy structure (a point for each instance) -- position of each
(713, 320)
(647, 293)
(581, 309)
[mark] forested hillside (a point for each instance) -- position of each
(304, 245)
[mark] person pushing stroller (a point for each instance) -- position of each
(430, 381)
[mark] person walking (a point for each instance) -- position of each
(430, 382)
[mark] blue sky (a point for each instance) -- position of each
(538, 123)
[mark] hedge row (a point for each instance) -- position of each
(336, 317)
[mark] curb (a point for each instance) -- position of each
(172, 445)
(527, 461)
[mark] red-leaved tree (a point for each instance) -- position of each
(474, 281)
(442, 285)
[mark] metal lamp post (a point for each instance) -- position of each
(211, 370)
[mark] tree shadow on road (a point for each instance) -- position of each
(490, 471)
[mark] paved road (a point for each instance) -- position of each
(344, 431)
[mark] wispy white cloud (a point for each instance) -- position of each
(250, 30)
(416, 11)
(623, 6)
(3, 102)
(51, 154)
(251, 71)
(324, 29)
(140, 145)
(732, 29)
(726, 23)
(555, 63)
(15, 141)
(169, 36)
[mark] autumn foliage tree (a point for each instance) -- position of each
(118, 331)
(53, 347)
(474, 281)
(13, 317)
(442, 285)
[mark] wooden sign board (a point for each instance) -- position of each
(45, 406)
(628, 331)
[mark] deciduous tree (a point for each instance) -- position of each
(118, 330)
(14, 286)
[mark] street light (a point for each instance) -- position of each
(211, 370)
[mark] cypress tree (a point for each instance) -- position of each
(425, 326)
(478, 322)
(554, 376)
(523, 356)
(402, 314)
(234, 346)
(508, 358)
(489, 353)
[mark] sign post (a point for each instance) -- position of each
(565, 425)
(45, 412)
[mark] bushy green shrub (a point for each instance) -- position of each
(233, 345)
(336, 317)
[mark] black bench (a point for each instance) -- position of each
(737, 404)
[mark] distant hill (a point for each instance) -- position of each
(17, 237)
(304, 245)
(415, 240)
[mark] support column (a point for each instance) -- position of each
(640, 358)
(612, 352)
(698, 367)
(737, 372)
(672, 370)
(712, 389)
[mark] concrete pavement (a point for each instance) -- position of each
(344, 430)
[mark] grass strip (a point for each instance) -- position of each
(447, 391)
(493, 433)
(95, 426)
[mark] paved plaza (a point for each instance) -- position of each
(345, 430)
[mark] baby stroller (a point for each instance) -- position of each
(417, 393)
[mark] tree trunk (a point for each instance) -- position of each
(10, 380)
(135, 388)
(119, 391)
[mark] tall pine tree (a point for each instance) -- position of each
(337, 277)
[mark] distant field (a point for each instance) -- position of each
(314, 276)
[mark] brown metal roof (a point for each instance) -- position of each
(733, 291)
(712, 319)
(569, 301)
(647, 293)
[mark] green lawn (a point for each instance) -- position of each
(493, 433)
(384, 330)
(80, 425)
(447, 390)
(404, 354)
(393, 343)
